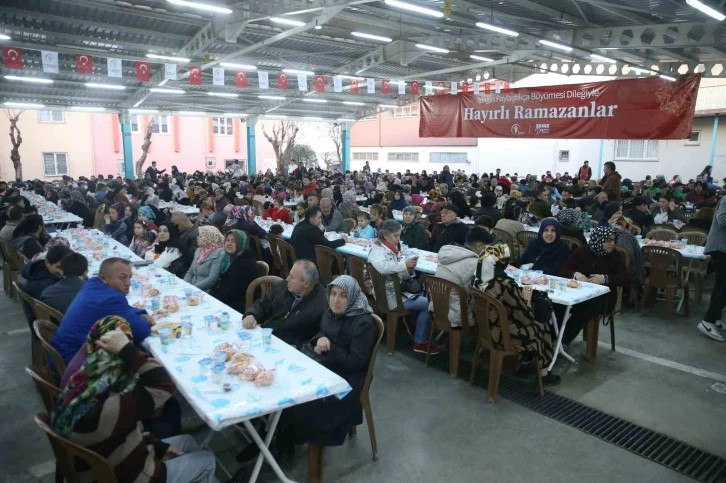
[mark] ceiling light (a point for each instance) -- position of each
(168, 57)
(279, 116)
(706, 9)
(25, 105)
(432, 48)
(299, 72)
(316, 101)
(235, 114)
(222, 94)
(143, 111)
(272, 98)
(352, 77)
(667, 77)
(238, 66)
(36, 80)
(312, 118)
(191, 113)
(483, 59)
(415, 8)
(555, 45)
(603, 59)
(371, 37)
(387, 106)
(494, 28)
(95, 85)
(87, 108)
(351, 103)
(201, 6)
(165, 90)
(287, 21)
(4, 37)
(345, 120)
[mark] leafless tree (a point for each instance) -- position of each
(283, 141)
(16, 139)
(335, 131)
(145, 148)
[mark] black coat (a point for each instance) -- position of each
(304, 238)
(61, 294)
(489, 211)
(231, 288)
(37, 278)
(447, 234)
(574, 232)
(81, 210)
(546, 257)
(293, 325)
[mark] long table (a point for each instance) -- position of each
(52, 214)
(186, 209)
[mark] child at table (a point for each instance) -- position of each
(364, 229)
(138, 246)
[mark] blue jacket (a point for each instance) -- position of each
(95, 301)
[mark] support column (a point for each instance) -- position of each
(712, 156)
(345, 143)
(125, 120)
(599, 160)
(251, 146)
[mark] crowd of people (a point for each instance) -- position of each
(114, 391)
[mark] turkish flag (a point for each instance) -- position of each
(506, 87)
(12, 58)
(441, 88)
(487, 88)
(240, 79)
(142, 72)
(414, 88)
(281, 80)
(319, 83)
(465, 88)
(195, 75)
(386, 87)
(84, 64)
(354, 86)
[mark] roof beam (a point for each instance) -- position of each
(514, 57)
(670, 35)
(550, 12)
(112, 6)
(399, 52)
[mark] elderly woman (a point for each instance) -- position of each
(244, 219)
(548, 253)
(569, 219)
(332, 219)
(206, 265)
(614, 219)
(103, 403)
(349, 206)
(413, 233)
(386, 257)
(237, 271)
(117, 226)
(525, 331)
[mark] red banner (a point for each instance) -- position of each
(319, 83)
(354, 86)
(282, 80)
(84, 64)
(12, 58)
(142, 72)
(414, 88)
(195, 75)
(652, 108)
(240, 79)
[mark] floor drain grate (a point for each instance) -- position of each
(665, 450)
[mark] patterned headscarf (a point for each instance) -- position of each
(492, 262)
(243, 212)
(568, 217)
(599, 236)
(147, 212)
(102, 373)
(59, 240)
(209, 240)
(357, 302)
(327, 193)
(242, 244)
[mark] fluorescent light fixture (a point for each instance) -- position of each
(555, 45)
(272, 98)
(667, 77)
(364, 35)
(351, 77)
(222, 94)
(603, 58)
(235, 114)
(191, 113)
(415, 8)
(299, 72)
(706, 9)
(201, 6)
(96, 85)
(494, 28)
(88, 108)
(318, 27)
(287, 21)
(313, 118)
(351, 103)
(25, 105)
(165, 90)
(345, 120)
(168, 57)
(279, 116)
(387, 106)
(35, 80)
(432, 48)
(315, 101)
(479, 57)
(143, 111)
(231, 65)
(4, 37)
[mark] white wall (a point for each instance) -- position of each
(424, 156)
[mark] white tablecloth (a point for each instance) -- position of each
(189, 210)
(96, 247)
(691, 252)
(292, 203)
(398, 216)
(568, 296)
(52, 213)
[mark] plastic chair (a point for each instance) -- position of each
(609, 316)
(45, 331)
(265, 284)
(263, 268)
(10, 271)
(509, 240)
(65, 451)
(27, 303)
(327, 258)
(662, 234)
(525, 238)
(441, 291)
(484, 304)
(15, 259)
(46, 386)
(256, 244)
(275, 251)
(698, 268)
(666, 269)
(392, 316)
(46, 312)
(285, 254)
(571, 242)
(349, 224)
(357, 269)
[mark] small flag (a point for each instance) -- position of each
(440, 88)
(142, 72)
(240, 79)
(218, 76)
(401, 88)
(84, 64)
(428, 88)
(414, 88)
(281, 80)
(302, 82)
(114, 67)
(50, 61)
(454, 88)
(13, 58)
(264, 80)
(337, 84)
(371, 86)
(465, 88)
(487, 88)
(506, 86)
(319, 83)
(354, 86)
(476, 88)
(497, 88)
(195, 75)
(386, 87)
(447, 9)
(170, 71)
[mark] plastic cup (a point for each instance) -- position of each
(210, 323)
(685, 242)
(155, 303)
(267, 336)
(224, 321)
(186, 326)
(220, 358)
(188, 292)
(218, 374)
(165, 334)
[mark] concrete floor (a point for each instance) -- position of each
(665, 376)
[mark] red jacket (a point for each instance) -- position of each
(277, 214)
(309, 188)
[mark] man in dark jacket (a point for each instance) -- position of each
(187, 240)
(307, 234)
(61, 294)
(488, 208)
(292, 309)
(611, 182)
(450, 230)
(153, 172)
(641, 214)
(540, 207)
(40, 274)
(447, 177)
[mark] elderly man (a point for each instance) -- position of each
(332, 219)
(221, 200)
(292, 309)
(450, 230)
(100, 297)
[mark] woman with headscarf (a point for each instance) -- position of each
(457, 199)
(74, 202)
(238, 270)
(103, 403)
(279, 191)
(116, 226)
(600, 263)
(548, 252)
(244, 219)
(488, 207)
(207, 263)
(398, 203)
(178, 194)
(525, 331)
(614, 219)
(55, 241)
(349, 207)
(337, 195)
(327, 193)
(165, 252)
(147, 215)
(413, 233)
(569, 219)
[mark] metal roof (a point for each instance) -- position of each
(664, 35)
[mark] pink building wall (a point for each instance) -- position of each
(384, 132)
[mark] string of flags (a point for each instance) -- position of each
(13, 59)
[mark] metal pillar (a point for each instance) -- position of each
(124, 120)
(251, 147)
(713, 140)
(345, 135)
(599, 161)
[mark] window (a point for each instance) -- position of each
(400, 112)
(365, 156)
(564, 156)
(210, 163)
(50, 116)
(695, 139)
(403, 156)
(55, 164)
(222, 126)
(161, 124)
(636, 149)
(448, 157)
